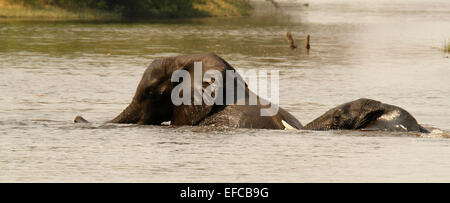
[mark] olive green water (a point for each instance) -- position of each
(385, 50)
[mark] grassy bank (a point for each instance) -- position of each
(25, 11)
(223, 7)
(115, 10)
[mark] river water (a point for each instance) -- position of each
(385, 50)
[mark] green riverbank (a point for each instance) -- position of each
(116, 10)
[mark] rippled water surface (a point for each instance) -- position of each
(385, 50)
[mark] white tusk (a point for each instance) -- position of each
(287, 126)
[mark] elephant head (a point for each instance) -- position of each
(352, 115)
(152, 102)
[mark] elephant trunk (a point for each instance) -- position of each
(316, 125)
(131, 115)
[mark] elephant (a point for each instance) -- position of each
(152, 103)
(366, 114)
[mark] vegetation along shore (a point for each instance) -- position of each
(121, 9)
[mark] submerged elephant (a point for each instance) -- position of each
(366, 114)
(152, 103)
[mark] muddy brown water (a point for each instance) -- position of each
(386, 50)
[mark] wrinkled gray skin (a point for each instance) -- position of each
(366, 114)
(152, 105)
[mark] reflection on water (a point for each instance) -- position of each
(52, 71)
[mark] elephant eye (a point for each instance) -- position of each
(150, 92)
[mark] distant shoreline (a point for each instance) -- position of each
(11, 10)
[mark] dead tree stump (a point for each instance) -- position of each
(290, 40)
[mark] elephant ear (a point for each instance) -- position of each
(370, 111)
(194, 113)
